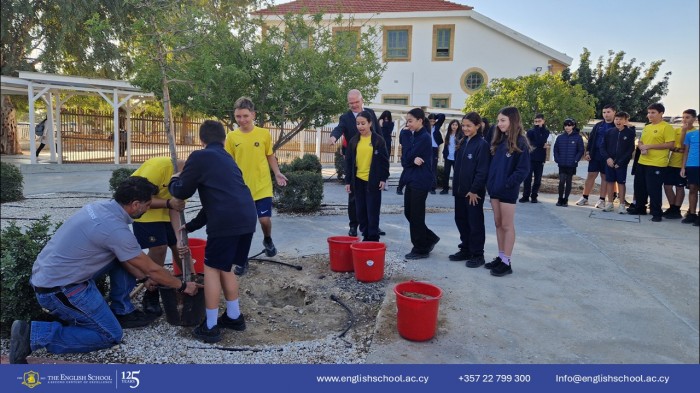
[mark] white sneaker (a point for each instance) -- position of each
(623, 209)
(608, 207)
(582, 201)
(600, 204)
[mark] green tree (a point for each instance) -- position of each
(629, 86)
(532, 94)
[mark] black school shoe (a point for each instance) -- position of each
(352, 231)
(560, 202)
(501, 269)
(207, 335)
(416, 255)
(461, 255)
(237, 324)
(493, 263)
(135, 319)
(437, 239)
(524, 199)
(20, 346)
(690, 218)
(475, 261)
(151, 303)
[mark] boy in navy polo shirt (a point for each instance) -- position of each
(617, 150)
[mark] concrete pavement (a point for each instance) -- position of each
(587, 287)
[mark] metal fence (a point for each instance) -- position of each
(88, 138)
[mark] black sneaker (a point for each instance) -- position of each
(697, 222)
(443, 192)
(399, 191)
(560, 202)
(476, 261)
(235, 324)
(524, 199)
(461, 255)
(20, 345)
(437, 239)
(673, 215)
(207, 335)
(565, 202)
(270, 249)
(667, 212)
(352, 231)
(380, 232)
(534, 200)
(416, 255)
(241, 270)
(135, 319)
(656, 219)
(432, 192)
(151, 303)
(690, 218)
(493, 263)
(501, 269)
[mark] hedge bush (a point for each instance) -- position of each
(307, 163)
(303, 193)
(118, 176)
(340, 165)
(11, 183)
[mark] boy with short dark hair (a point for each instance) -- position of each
(690, 168)
(617, 150)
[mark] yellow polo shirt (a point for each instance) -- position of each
(157, 170)
(676, 158)
(364, 157)
(654, 134)
(250, 151)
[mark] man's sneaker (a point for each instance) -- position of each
(622, 209)
(600, 204)
(524, 199)
(493, 263)
(609, 207)
(151, 303)
(534, 200)
(690, 218)
(475, 261)
(352, 231)
(235, 324)
(501, 269)
(135, 319)
(20, 346)
(656, 219)
(207, 335)
(416, 255)
(582, 201)
(437, 239)
(461, 255)
(241, 270)
(270, 249)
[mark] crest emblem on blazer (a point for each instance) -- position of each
(624, 138)
(508, 155)
(257, 144)
(469, 156)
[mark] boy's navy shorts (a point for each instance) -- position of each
(616, 175)
(223, 252)
(154, 234)
(672, 177)
(595, 165)
(692, 175)
(264, 207)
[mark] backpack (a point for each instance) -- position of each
(39, 130)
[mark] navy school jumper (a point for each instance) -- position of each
(508, 171)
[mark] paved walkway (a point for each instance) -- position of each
(587, 287)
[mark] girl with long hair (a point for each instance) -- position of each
(509, 167)
(448, 152)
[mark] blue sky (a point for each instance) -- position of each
(646, 30)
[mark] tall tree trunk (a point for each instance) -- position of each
(9, 140)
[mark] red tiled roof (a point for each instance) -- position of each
(362, 6)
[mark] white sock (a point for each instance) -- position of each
(212, 315)
(506, 260)
(502, 255)
(233, 310)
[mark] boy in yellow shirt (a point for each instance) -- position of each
(657, 139)
(251, 148)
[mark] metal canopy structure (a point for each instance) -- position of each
(55, 90)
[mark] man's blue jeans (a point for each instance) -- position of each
(89, 323)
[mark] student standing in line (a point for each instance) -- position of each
(228, 211)
(537, 136)
(452, 138)
(404, 136)
(618, 150)
(596, 162)
(472, 159)
(416, 159)
(691, 164)
(366, 168)
(387, 126)
(568, 150)
(509, 167)
(673, 178)
(436, 122)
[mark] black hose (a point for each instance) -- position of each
(352, 318)
(277, 262)
(238, 349)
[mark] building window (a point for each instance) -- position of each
(348, 39)
(440, 100)
(473, 79)
(395, 99)
(397, 43)
(443, 42)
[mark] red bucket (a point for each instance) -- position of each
(417, 309)
(368, 260)
(340, 254)
(197, 247)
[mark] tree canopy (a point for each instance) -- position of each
(629, 86)
(532, 94)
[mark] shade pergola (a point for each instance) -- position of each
(55, 90)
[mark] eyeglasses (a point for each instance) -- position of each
(568, 124)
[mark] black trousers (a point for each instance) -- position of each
(566, 178)
(352, 211)
(414, 210)
(470, 224)
(435, 162)
(531, 189)
(368, 201)
(649, 184)
(448, 167)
